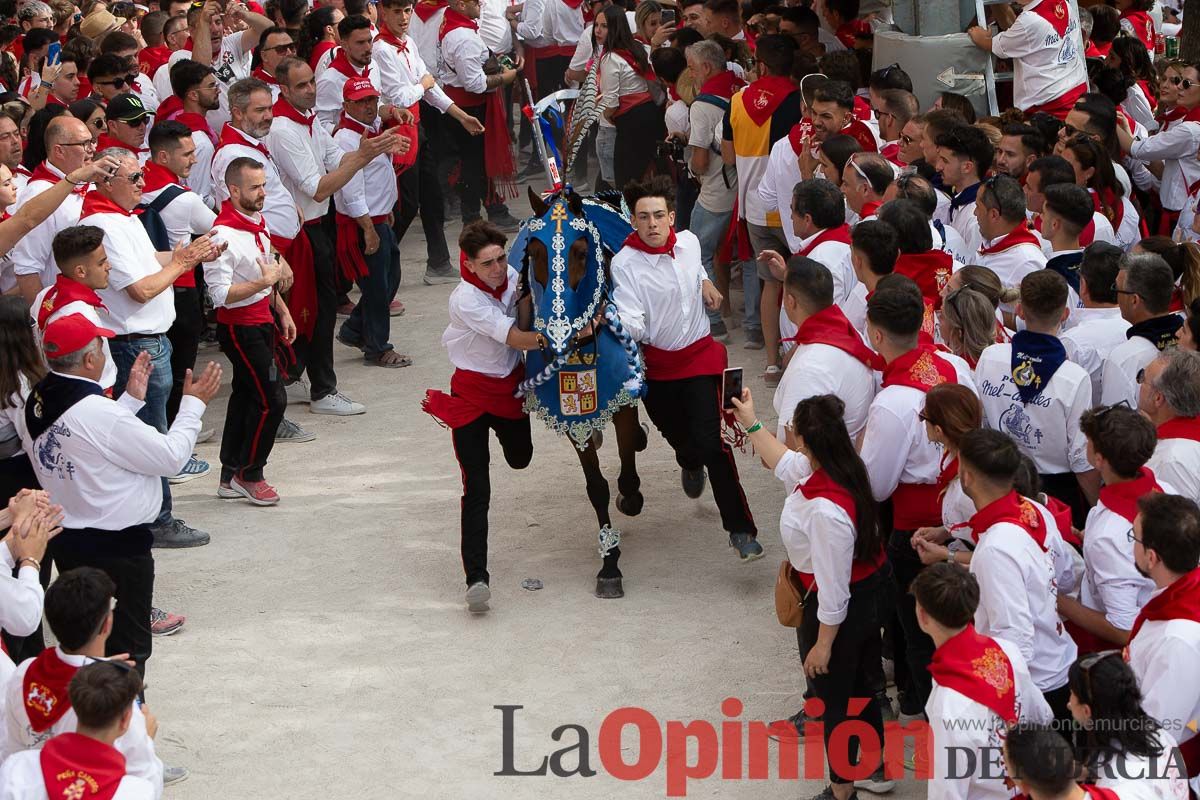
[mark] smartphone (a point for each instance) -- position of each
(668, 16)
(731, 387)
(52, 52)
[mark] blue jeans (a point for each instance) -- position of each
(369, 325)
(710, 228)
(606, 145)
(154, 411)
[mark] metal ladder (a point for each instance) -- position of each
(990, 76)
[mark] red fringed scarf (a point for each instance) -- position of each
(1013, 509)
(830, 326)
(64, 292)
(975, 666)
(44, 688)
(79, 767)
(764, 95)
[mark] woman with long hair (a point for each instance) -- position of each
(21, 366)
(90, 113)
(830, 528)
(318, 36)
(987, 283)
(1135, 64)
(1170, 76)
(648, 19)
(1188, 335)
(1094, 172)
(967, 323)
(1114, 736)
(627, 83)
(833, 153)
(1184, 260)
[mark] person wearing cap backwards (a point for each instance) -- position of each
(141, 308)
(106, 467)
(127, 119)
(366, 246)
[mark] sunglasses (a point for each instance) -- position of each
(921, 415)
(132, 177)
(1089, 661)
(290, 47)
(139, 123)
(119, 83)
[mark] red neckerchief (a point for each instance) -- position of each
(341, 63)
(427, 8)
(920, 369)
(1096, 50)
(230, 217)
(64, 292)
(169, 108)
(764, 95)
(1143, 26)
(386, 35)
(1193, 115)
(859, 131)
(1180, 428)
(283, 108)
(151, 58)
(1172, 114)
(42, 173)
(830, 326)
(318, 52)
(44, 689)
(1018, 235)
(1180, 600)
(158, 177)
(819, 484)
(231, 135)
(839, 234)
(470, 277)
(637, 243)
(723, 84)
(637, 37)
(105, 141)
(974, 665)
(672, 92)
(96, 203)
(1013, 509)
(847, 32)
(78, 766)
(264, 76)
(573, 4)
(21, 169)
(1099, 792)
(351, 124)
(862, 109)
(1108, 197)
(929, 270)
(869, 209)
(646, 73)
(799, 132)
(1121, 498)
(1054, 12)
(198, 122)
(453, 20)
(1145, 87)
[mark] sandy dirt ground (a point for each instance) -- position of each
(328, 652)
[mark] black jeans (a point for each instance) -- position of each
(916, 648)
(1064, 486)
(125, 557)
(472, 177)
(853, 661)
(370, 324)
(184, 335)
(256, 403)
(474, 457)
(639, 130)
(687, 413)
(421, 192)
(315, 355)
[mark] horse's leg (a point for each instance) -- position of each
(631, 439)
(608, 580)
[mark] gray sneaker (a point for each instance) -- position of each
(178, 534)
(443, 273)
(478, 595)
(298, 392)
(174, 774)
(291, 432)
(338, 405)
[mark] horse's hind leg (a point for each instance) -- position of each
(608, 580)
(631, 439)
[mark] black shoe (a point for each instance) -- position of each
(505, 221)
(827, 794)
(746, 545)
(346, 340)
(178, 534)
(793, 727)
(693, 482)
(720, 331)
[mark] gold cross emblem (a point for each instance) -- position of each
(558, 215)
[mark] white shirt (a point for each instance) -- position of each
(1013, 263)
(817, 369)
(131, 256)
(372, 190)
(1129, 232)
(617, 79)
(136, 744)
(959, 724)
(476, 338)
(21, 779)
(1047, 428)
(835, 256)
(400, 76)
(32, 254)
(231, 63)
(303, 156)
(1177, 462)
(1094, 334)
(461, 56)
(279, 208)
(1018, 600)
(238, 264)
(949, 240)
(143, 85)
(494, 28)
(20, 597)
(894, 445)
(549, 22)
(1176, 147)
(659, 297)
(329, 96)
(1154, 777)
(819, 537)
(185, 216)
(1111, 582)
(775, 188)
(1119, 380)
(108, 377)
(1046, 65)
(200, 180)
(425, 34)
(963, 220)
(104, 465)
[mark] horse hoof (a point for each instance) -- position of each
(609, 588)
(630, 506)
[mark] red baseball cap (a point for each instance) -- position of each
(71, 333)
(359, 89)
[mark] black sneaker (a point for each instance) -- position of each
(505, 221)
(178, 534)
(720, 331)
(827, 794)
(746, 545)
(693, 482)
(793, 727)
(877, 783)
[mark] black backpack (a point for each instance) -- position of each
(152, 221)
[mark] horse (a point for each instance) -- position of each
(589, 372)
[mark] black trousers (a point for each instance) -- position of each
(639, 130)
(16, 473)
(315, 355)
(913, 645)
(1057, 699)
(474, 457)
(687, 413)
(420, 192)
(854, 660)
(1064, 486)
(126, 558)
(184, 336)
(256, 403)
(472, 178)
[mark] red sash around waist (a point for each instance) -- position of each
(473, 394)
(916, 505)
(258, 313)
(705, 356)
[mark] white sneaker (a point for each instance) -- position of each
(478, 595)
(338, 405)
(298, 392)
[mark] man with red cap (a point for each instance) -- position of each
(105, 467)
(366, 245)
